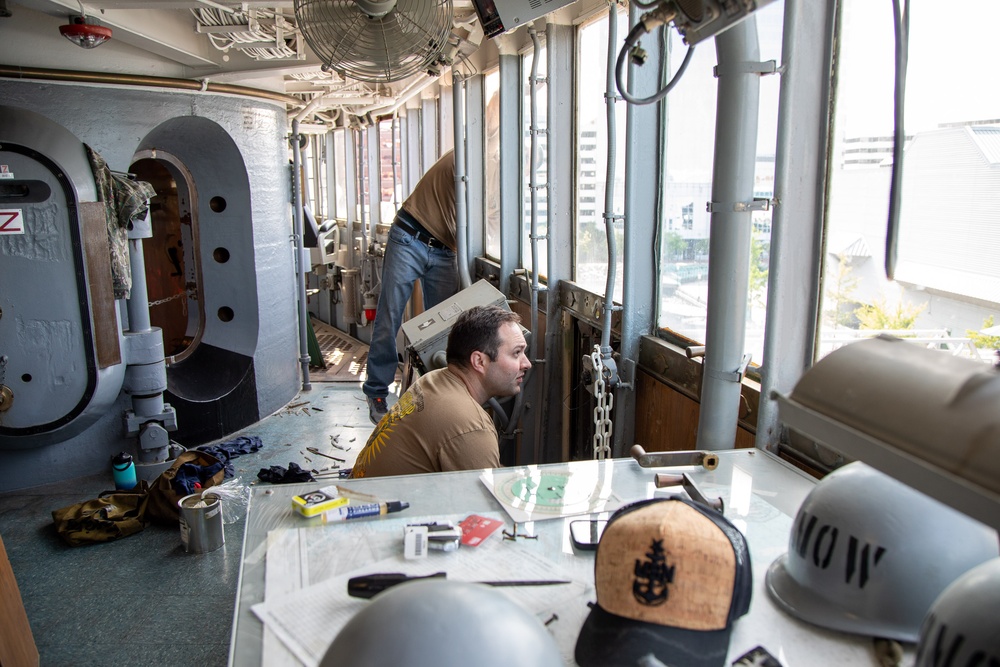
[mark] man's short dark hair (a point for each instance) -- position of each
(477, 330)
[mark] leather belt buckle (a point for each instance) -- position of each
(430, 240)
(419, 234)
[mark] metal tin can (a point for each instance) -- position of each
(201, 523)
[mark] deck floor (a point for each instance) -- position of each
(142, 600)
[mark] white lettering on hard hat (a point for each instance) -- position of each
(824, 544)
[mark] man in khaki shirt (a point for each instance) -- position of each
(439, 424)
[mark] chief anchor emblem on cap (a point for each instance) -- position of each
(652, 577)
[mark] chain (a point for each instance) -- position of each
(602, 412)
(192, 293)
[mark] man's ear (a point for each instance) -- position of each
(478, 361)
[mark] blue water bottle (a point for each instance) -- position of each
(123, 470)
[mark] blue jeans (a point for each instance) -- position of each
(406, 260)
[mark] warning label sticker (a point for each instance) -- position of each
(11, 221)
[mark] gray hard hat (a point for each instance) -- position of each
(868, 554)
(440, 623)
(962, 625)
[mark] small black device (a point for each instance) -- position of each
(586, 534)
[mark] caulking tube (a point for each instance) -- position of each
(367, 509)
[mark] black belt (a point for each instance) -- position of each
(406, 222)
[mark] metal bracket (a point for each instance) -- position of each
(732, 376)
(627, 375)
(756, 204)
(707, 460)
(762, 67)
(661, 480)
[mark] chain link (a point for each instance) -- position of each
(602, 412)
(191, 293)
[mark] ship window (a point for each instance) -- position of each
(391, 175)
(689, 148)
(946, 288)
(339, 174)
(491, 88)
(592, 156)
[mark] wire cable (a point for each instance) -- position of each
(631, 40)
(901, 24)
(257, 33)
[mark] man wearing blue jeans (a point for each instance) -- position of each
(421, 245)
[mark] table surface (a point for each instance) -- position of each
(761, 493)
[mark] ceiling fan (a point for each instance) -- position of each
(376, 41)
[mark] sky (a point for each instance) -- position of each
(951, 72)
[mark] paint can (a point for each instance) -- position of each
(201, 523)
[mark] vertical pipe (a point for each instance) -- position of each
(801, 158)
(729, 244)
(461, 210)
(300, 278)
(609, 184)
(533, 237)
(137, 304)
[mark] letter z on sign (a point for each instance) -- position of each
(11, 221)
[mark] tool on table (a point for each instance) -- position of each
(353, 494)
(347, 512)
(419, 538)
(315, 450)
(661, 480)
(707, 460)
(369, 585)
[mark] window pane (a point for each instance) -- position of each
(491, 84)
(946, 290)
(690, 140)
(340, 173)
(592, 157)
(686, 223)
(389, 170)
(540, 168)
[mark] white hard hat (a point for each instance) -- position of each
(963, 625)
(441, 623)
(869, 555)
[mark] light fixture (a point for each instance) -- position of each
(84, 32)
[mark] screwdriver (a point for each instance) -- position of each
(369, 585)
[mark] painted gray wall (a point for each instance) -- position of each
(115, 122)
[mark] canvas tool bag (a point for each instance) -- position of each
(110, 516)
(164, 494)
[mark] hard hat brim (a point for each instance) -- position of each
(807, 605)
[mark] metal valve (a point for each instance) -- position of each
(6, 398)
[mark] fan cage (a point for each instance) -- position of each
(407, 40)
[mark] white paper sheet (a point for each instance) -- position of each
(308, 620)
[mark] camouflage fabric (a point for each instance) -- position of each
(125, 201)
